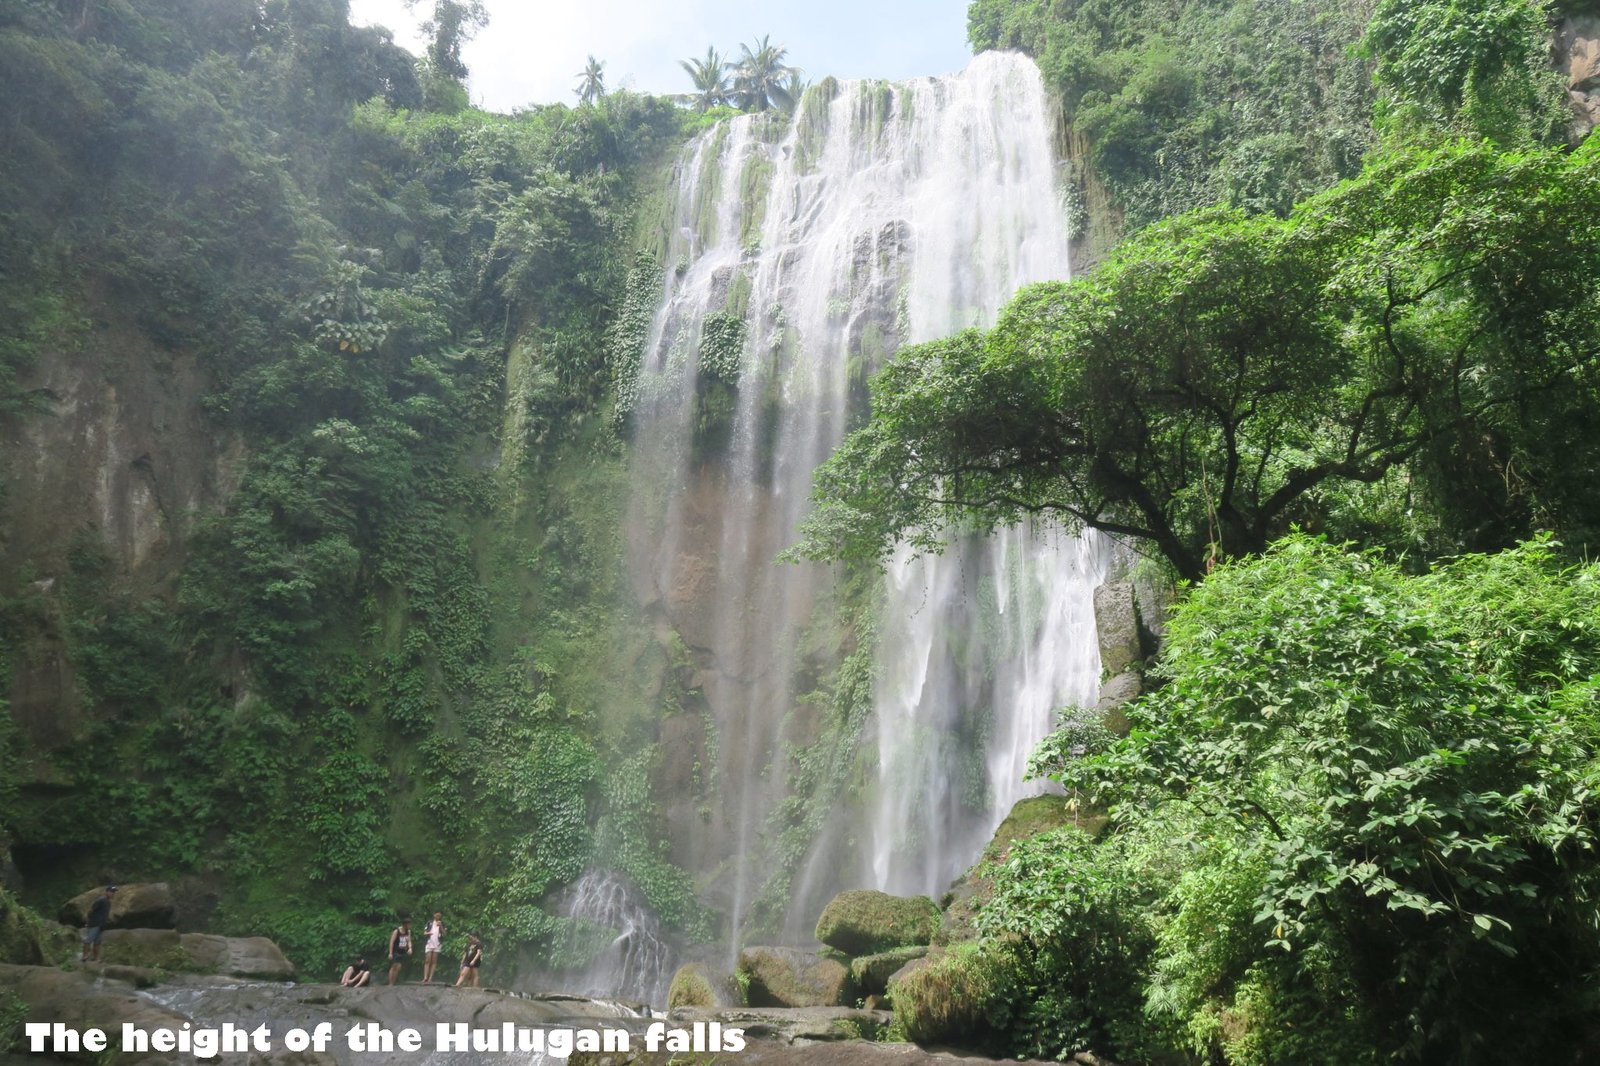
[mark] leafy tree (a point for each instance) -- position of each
(1483, 67)
(710, 78)
(1222, 377)
(1380, 786)
(761, 80)
(453, 24)
(591, 83)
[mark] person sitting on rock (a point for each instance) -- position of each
(94, 925)
(399, 949)
(471, 959)
(356, 975)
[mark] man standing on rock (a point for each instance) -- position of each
(95, 924)
(399, 948)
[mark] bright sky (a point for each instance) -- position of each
(532, 51)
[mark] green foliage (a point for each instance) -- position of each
(722, 337)
(1253, 103)
(1224, 376)
(960, 996)
(1481, 67)
(13, 1013)
(1354, 787)
(329, 710)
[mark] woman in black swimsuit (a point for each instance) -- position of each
(471, 959)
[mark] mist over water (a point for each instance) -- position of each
(884, 215)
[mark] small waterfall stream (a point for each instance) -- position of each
(631, 960)
(798, 258)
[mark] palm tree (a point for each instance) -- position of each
(591, 82)
(758, 81)
(710, 77)
(793, 87)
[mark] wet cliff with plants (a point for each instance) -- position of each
(310, 532)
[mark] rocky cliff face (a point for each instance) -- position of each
(121, 458)
(1577, 56)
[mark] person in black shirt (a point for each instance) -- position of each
(95, 924)
(471, 959)
(356, 975)
(399, 948)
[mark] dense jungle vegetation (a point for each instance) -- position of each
(1359, 297)
(372, 686)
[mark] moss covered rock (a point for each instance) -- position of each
(697, 985)
(20, 941)
(870, 973)
(948, 997)
(866, 922)
(785, 977)
(1028, 818)
(158, 949)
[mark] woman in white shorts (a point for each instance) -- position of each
(435, 935)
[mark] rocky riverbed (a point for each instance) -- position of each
(110, 997)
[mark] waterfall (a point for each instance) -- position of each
(628, 952)
(797, 258)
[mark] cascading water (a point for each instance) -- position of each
(629, 953)
(798, 258)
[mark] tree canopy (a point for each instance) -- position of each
(1224, 377)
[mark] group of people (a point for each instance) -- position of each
(401, 946)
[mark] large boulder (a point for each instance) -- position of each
(166, 949)
(1028, 818)
(787, 977)
(870, 973)
(947, 997)
(154, 949)
(141, 906)
(1116, 620)
(233, 956)
(697, 985)
(865, 922)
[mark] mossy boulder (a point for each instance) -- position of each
(697, 985)
(948, 997)
(786, 977)
(235, 956)
(866, 922)
(1027, 818)
(870, 973)
(20, 940)
(156, 949)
